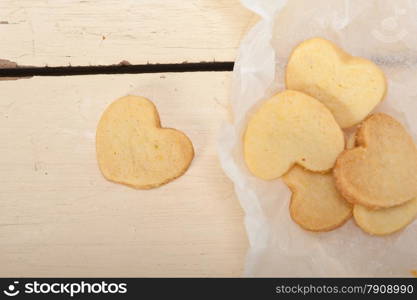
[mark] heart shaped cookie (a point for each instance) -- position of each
(381, 171)
(386, 220)
(349, 86)
(316, 205)
(291, 128)
(134, 150)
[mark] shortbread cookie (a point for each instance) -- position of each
(134, 150)
(349, 86)
(290, 128)
(386, 220)
(381, 171)
(316, 205)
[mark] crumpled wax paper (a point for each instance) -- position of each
(384, 31)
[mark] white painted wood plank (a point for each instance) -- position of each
(60, 217)
(102, 32)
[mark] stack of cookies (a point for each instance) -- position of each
(297, 135)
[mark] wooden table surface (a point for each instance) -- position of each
(58, 215)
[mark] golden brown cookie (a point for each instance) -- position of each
(349, 86)
(316, 205)
(134, 150)
(385, 220)
(290, 128)
(381, 171)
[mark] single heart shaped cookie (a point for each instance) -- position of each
(134, 150)
(291, 128)
(381, 171)
(316, 205)
(386, 220)
(349, 86)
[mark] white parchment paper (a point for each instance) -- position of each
(384, 31)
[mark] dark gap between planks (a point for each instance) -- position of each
(25, 71)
